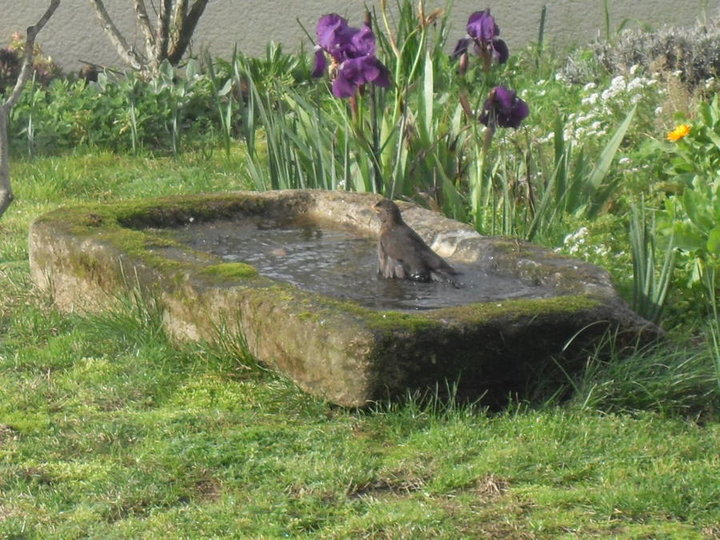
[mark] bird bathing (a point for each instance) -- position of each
(292, 275)
(320, 257)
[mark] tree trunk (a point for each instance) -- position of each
(183, 28)
(6, 194)
(168, 39)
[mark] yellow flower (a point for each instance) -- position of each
(678, 133)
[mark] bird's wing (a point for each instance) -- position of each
(403, 254)
(418, 259)
(389, 266)
(399, 246)
(436, 262)
(424, 260)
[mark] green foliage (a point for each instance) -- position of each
(233, 83)
(178, 110)
(420, 139)
(118, 113)
(694, 165)
(575, 185)
(691, 210)
(667, 378)
(400, 142)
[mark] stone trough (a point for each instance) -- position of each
(349, 352)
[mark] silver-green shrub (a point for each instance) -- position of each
(691, 52)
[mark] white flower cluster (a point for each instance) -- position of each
(629, 167)
(712, 84)
(600, 106)
(578, 245)
(574, 241)
(539, 84)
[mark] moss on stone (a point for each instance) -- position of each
(109, 223)
(127, 227)
(138, 244)
(230, 271)
(518, 308)
(84, 265)
(399, 322)
(170, 211)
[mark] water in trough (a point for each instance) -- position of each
(326, 259)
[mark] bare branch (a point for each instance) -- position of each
(127, 53)
(26, 70)
(184, 30)
(144, 23)
(6, 194)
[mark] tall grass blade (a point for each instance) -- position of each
(606, 10)
(710, 282)
(133, 128)
(650, 285)
(541, 35)
(602, 167)
(427, 96)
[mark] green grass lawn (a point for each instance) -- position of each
(109, 430)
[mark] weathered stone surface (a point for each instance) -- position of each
(346, 353)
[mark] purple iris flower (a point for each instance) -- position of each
(481, 25)
(352, 56)
(483, 32)
(503, 108)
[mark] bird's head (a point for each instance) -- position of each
(387, 211)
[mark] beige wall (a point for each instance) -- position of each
(74, 34)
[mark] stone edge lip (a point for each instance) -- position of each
(75, 253)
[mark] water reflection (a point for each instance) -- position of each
(340, 264)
